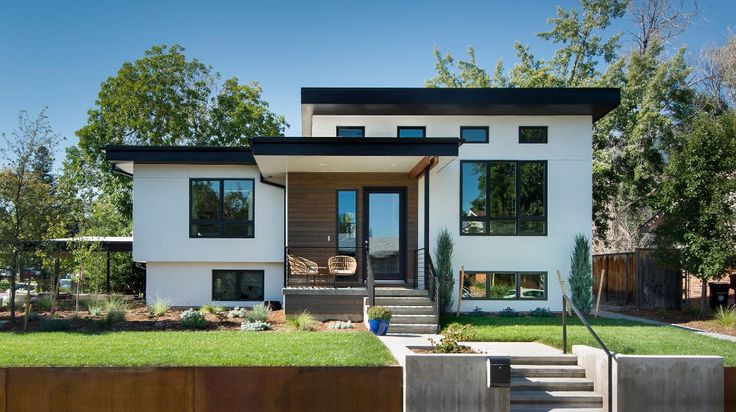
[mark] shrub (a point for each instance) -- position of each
(115, 308)
(379, 313)
(44, 303)
(33, 316)
(541, 313)
(56, 325)
(255, 326)
(192, 319)
(451, 338)
(236, 313)
(445, 277)
(303, 321)
(725, 317)
(258, 313)
(159, 306)
(207, 309)
(95, 309)
(581, 274)
(340, 325)
(508, 313)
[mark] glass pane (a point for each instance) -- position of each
(205, 202)
(533, 134)
(532, 188)
(474, 285)
(502, 286)
(223, 285)
(474, 134)
(532, 285)
(350, 132)
(473, 227)
(474, 189)
(532, 227)
(503, 189)
(346, 222)
(503, 227)
(204, 230)
(251, 285)
(411, 132)
(383, 232)
(238, 200)
(238, 230)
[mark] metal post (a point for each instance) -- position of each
(564, 325)
(610, 383)
(426, 218)
(108, 272)
(370, 283)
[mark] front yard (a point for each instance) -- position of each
(620, 336)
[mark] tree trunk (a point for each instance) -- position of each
(55, 288)
(703, 296)
(11, 305)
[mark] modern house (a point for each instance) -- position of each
(375, 176)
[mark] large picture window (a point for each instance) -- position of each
(347, 212)
(221, 208)
(503, 198)
(237, 285)
(505, 285)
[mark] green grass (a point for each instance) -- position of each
(220, 348)
(626, 337)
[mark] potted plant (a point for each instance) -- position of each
(378, 319)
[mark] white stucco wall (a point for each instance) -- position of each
(161, 217)
(190, 283)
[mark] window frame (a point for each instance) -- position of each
(485, 128)
(517, 283)
(422, 128)
(337, 220)
(518, 218)
(337, 132)
(221, 220)
(237, 283)
(546, 133)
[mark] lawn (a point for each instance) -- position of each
(620, 336)
(211, 348)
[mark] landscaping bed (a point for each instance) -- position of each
(690, 319)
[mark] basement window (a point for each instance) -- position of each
(505, 285)
(237, 285)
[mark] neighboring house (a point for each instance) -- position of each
(506, 171)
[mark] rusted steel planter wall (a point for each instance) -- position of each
(729, 381)
(201, 389)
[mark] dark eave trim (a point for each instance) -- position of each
(371, 146)
(180, 155)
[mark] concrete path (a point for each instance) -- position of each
(615, 315)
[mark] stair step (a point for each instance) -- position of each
(411, 310)
(412, 328)
(392, 292)
(403, 301)
(547, 408)
(557, 398)
(548, 371)
(413, 319)
(550, 384)
(545, 360)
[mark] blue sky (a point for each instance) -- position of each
(56, 53)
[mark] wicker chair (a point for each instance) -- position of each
(342, 265)
(299, 266)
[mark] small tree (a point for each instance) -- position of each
(443, 256)
(581, 274)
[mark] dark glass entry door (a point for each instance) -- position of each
(385, 226)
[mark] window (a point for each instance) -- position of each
(347, 240)
(350, 131)
(237, 285)
(411, 131)
(221, 208)
(474, 134)
(503, 198)
(532, 134)
(505, 285)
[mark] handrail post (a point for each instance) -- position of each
(564, 324)
(371, 283)
(610, 382)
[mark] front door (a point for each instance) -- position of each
(385, 226)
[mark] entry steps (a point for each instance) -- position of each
(411, 310)
(553, 383)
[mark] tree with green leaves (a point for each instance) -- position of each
(697, 200)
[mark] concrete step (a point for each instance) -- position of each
(411, 310)
(400, 292)
(403, 301)
(412, 328)
(568, 399)
(545, 360)
(548, 371)
(413, 319)
(523, 383)
(547, 408)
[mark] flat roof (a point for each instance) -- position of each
(123, 157)
(341, 146)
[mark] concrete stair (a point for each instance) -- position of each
(411, 308)
(553, 384)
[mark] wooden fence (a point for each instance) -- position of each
(190, 389)
(636, 279)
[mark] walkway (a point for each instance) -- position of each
(615, 315)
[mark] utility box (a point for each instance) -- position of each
(499, 372)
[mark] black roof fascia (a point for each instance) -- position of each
(180, 154)
(596, 102)
(371, 146)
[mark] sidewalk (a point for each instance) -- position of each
(614, 315)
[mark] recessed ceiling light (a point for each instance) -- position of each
(321, 164)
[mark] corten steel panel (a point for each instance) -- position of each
(99, 389)
(729, 381)
(298, 389)
(3, 394)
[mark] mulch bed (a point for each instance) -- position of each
(678, 317)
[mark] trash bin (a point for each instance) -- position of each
(718, 294)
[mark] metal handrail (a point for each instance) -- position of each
(565, 301)
(431, 283)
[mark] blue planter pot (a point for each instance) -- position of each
(378, 327)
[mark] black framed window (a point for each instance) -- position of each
(350, 131)
(503, 198)
(237, 285)
(221, 208)
(411, 132)
(532, 134)
(492, 285)
(347, 215)
(474, 134)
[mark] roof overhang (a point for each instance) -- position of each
(123, 158)
(367, 101)
(105, 243)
